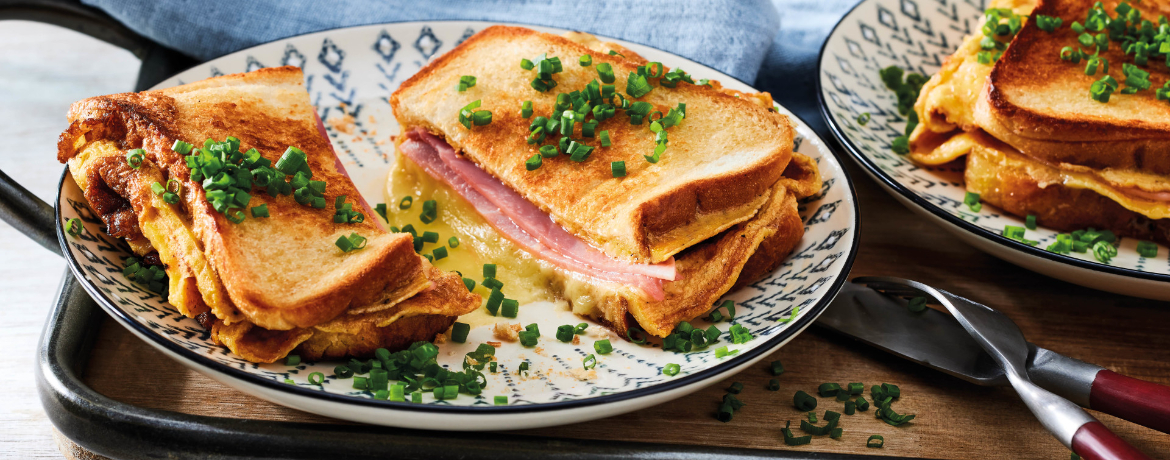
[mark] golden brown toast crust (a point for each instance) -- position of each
(716, 172)
(737, 257)
(283, 272)
(1041, 105)
(1056, 206)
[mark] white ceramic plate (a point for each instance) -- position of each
(360, 67)
(917, 36)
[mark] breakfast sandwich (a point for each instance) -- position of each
(1059, 110)
(231, 187)
(633, 192)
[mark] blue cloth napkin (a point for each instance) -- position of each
(729, 35)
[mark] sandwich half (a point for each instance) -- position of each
(231, 185)
(1036, 137)
(638, 212)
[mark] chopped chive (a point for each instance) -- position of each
(439, 252)
(470, 283)
(618, 168)
(880, 441)
(804, 402)
(589, 362)
(509, 307)
(360, 383)
(430, 237)
(526, 109)
(416, 397)
(671, 369)
(1030, 222)
(459, 332)
(774, 384)
(492, 283)
(74, 227)
(605, 72)
(406, 202)
(971, 199)
(260, 211)
(777, 368)
(565, 333)
(292, 360)
(585, 60)
(135, 157)
(916, 305)
(501, 400)
(342, 372)
(863, 119)
(489, 270)
(316, 378)
(828, 389)
(526, 64)
(533, 163)
(494, 300)
(856, 388)
(605, 141)
(453, 242)
(1147, 249)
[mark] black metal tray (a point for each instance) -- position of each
(121, 431)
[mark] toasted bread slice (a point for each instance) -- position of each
(353, 334)
(280, 273)
(717, 172)
(1040, 104)
(1009, 180)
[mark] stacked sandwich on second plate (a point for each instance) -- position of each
(231, 186)
(639, 194)
(1062, 113)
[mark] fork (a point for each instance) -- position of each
(1002, 339)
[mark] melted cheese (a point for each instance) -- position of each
(170, 234)
(525, 278)
(947, 100)
(985, 149)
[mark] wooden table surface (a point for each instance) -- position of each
(954, 419)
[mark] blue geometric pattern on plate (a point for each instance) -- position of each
(351, 73)
(918, 36)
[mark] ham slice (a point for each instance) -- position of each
(435, 157)
(538, 224)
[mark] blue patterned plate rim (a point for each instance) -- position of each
(889, 182)
(210, 365)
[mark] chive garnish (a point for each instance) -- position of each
(74, 227)
(459, 332)
(670, 369)
(618, 168)
(803, 401)
(509, 308)
(589, 362)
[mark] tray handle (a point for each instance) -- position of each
(19, 207)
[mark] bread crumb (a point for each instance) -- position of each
(576, 339)
(495, 344)
(582, 374)
(539, 351)
(601, 332)
(506, 332)
(344, 124)
(372, 119)
(356, 139)
(442, 338)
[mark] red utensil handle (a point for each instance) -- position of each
(1093, 441)
(1135, 400)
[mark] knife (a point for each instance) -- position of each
(936, 340)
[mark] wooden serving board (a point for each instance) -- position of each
(955, 420)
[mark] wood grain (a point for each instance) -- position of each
(955, 420)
